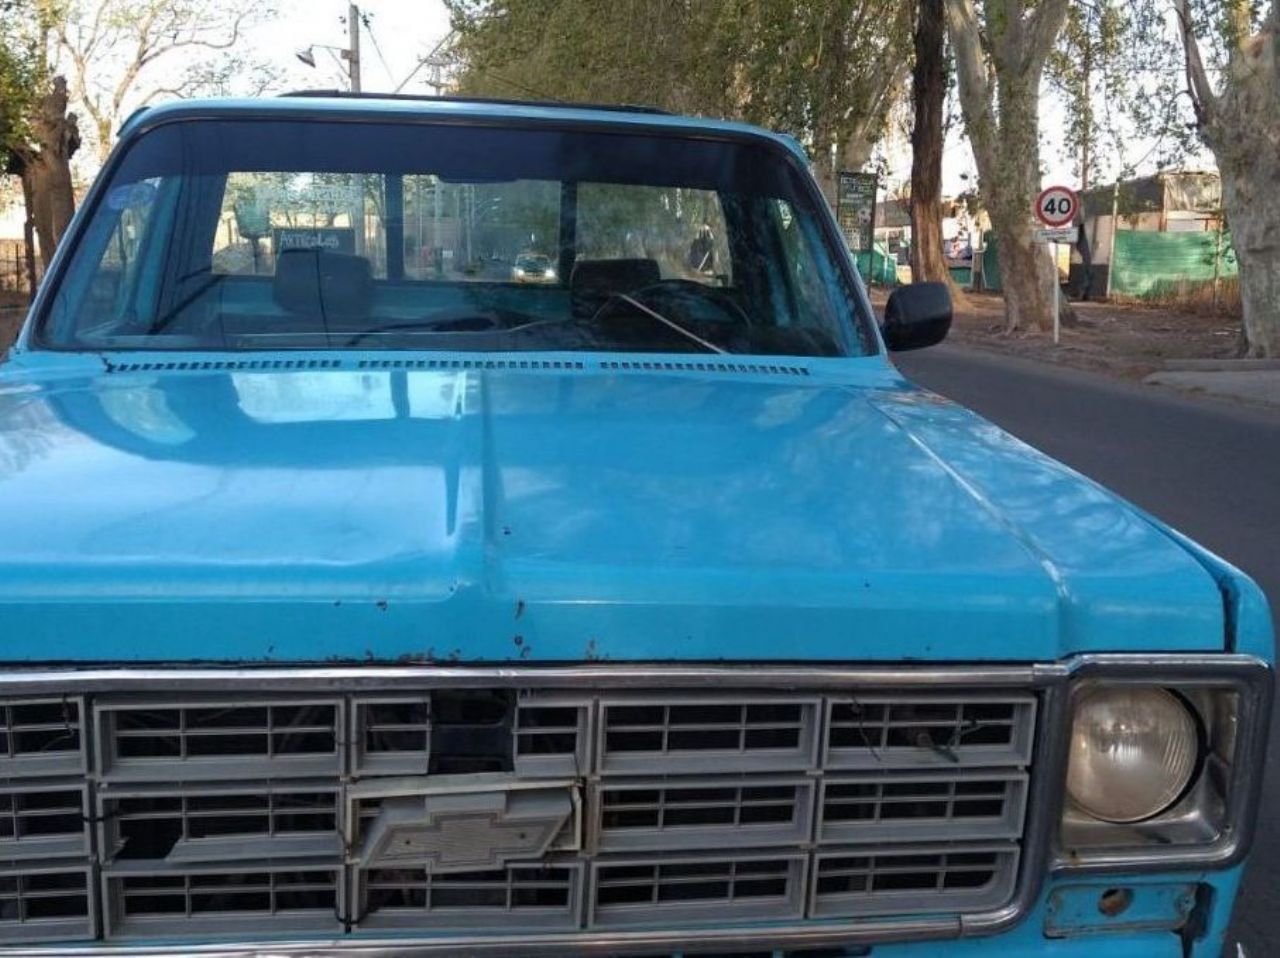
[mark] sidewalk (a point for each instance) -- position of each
(1158, 346)
(1254, 385)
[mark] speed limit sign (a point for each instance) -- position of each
(1057, 205)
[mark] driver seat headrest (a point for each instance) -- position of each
(321, 283)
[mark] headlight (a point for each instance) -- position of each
(1133, 752)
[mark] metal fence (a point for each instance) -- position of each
(15, 278)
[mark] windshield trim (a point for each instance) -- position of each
(860, 341)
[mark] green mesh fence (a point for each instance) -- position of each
(877, 265)
(990, 264)
(1156, 265)
(1146, 264)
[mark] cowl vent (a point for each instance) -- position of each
(223, 365)
(541, 365)
(715, 367)
(682, 366)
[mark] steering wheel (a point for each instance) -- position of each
(447, 321)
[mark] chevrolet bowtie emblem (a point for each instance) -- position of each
(466, 830)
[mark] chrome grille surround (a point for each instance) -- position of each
(1046, 684)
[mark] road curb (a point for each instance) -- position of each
(1219, 365)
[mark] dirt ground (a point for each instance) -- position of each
(1123, 339)
(10, 320)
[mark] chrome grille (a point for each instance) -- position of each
(269, 813)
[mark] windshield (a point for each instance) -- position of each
(324, 234)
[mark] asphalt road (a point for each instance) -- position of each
(1209, 468)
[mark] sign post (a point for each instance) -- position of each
(1056, 207)
(856, 213)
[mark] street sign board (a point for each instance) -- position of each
(1057, 206)
(1056, 234)
(856, 208)
(333, 239)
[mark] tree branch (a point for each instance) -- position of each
(1203, 99)
(975, 84)
(1043, 27)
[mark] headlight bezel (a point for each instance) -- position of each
(1211, 823)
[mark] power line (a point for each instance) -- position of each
(367, 21)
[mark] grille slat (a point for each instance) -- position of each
(850, 884)
(42, 737)
(964, 805)
(46, 904)
(543, 897)
(219, 901)
(220, 824)
(706, 736)
(136, 740)
(928, 731)
(491, 808)
(676, 891)
(656, 814)
(40, 820)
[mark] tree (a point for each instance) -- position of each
(928, 94)
(37, 135)
(1000, 58)
(1238, 118)
(826, 71)
(123, 54)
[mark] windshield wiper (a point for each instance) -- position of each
(161, 323)
(670, 323)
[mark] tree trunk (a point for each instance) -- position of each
(999, 84)
(29, 239)
(1027, 273)
(928, 93)
(1026, 277)
(1251, 198)
(46, 173)
(1241, 125)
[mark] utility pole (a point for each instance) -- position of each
(352, 56)
(353, 46)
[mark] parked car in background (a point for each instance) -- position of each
(356, 606)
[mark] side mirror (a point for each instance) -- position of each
(916, 316)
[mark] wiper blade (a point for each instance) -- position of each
(162, 322)
(670, 323)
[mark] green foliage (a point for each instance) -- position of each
(819, 70)
(18, 75)
(25, 30)
(1119, 65)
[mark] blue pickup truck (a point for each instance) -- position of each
(360, 599)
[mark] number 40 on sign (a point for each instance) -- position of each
(1056, 206)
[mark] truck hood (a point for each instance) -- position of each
(556, 512)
